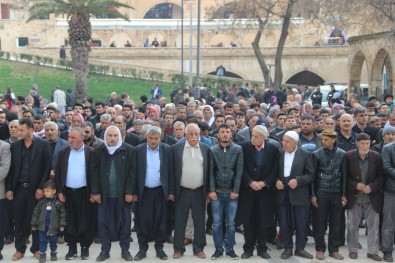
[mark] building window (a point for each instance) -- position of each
(22, 41)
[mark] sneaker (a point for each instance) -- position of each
(388, 256)
(217, 254)
(43, 258)
(232, 255)
(102, 256)
(84, 253)
(71, 254)
(54, 257)
(161, 255)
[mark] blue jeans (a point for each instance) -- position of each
(230, 205)
(45, 238)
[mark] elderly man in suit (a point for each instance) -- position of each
(296, 173)
(256, 201)
(155, 185)
(72, 183)
(30, 165)
(52, 135)
(5, 162)
(191, 183)
(365, 180)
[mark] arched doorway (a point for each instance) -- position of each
(164, 11)
(381, 81)
(305, 78)
(357, 64)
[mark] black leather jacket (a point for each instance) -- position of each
(226, 168)
(330, 171)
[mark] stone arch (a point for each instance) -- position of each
(216, 40)
(305, 77)
(381, 59)
(162, 10)
(228, 73)
(228, 11)
(186, 40)
(356, 70)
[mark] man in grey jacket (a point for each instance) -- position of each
(5, 162)
(388, 228)
(226, 169)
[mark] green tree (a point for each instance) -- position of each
(78, 13)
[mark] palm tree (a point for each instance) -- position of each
(78, 14)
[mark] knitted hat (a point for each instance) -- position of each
(388, 129)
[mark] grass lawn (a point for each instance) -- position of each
(21, 77)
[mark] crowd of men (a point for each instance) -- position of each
(270, 165)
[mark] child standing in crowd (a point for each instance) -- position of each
(49, 216)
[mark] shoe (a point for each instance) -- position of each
(84, 253)
(43, 258)
(209, 231)
(103, 256)
(263, 254)
(170, 239)
(287, 253)
(375, 257)
(232, 255)
(8, 241)
(217, 254)
(303, 254)
(240, 229)
(353, 255)
(126, 256)
(187, 241)
(140, 255)
(279, 244)
(319, 255)
(161, 255)
(96, 240)
(17, 256)
(60, 240)
(336, 255)
(177, 254)
(387, 256)
(246, 255)
(71, 254)
(37, 255)
(200, 254)
(54, 256)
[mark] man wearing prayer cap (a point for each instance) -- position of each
(296, 173)
(113, 181)
(328, 194)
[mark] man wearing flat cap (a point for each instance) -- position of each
(296, 173)
(328, 194)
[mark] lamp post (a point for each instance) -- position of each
(182, 44)
(197, 84)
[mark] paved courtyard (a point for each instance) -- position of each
(188, 256)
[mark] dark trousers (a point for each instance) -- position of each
(9, 232)
(45, 239)
(190, 200)
(329, 206)
(2, 217)
(298, 226)
(254, 233)
(170, 218)
(79, 227)
(151, 212)
(114, 221)
(209, 222)
(24, 202)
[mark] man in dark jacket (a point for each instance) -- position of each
(296, 172)
(256, 202)
(316, 96)
(226, 169)
(113, 179)
(365, 180)
(388, 228)
(328, 194)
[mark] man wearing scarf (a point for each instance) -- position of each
(113, 177)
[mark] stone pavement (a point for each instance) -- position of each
(188, 256)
